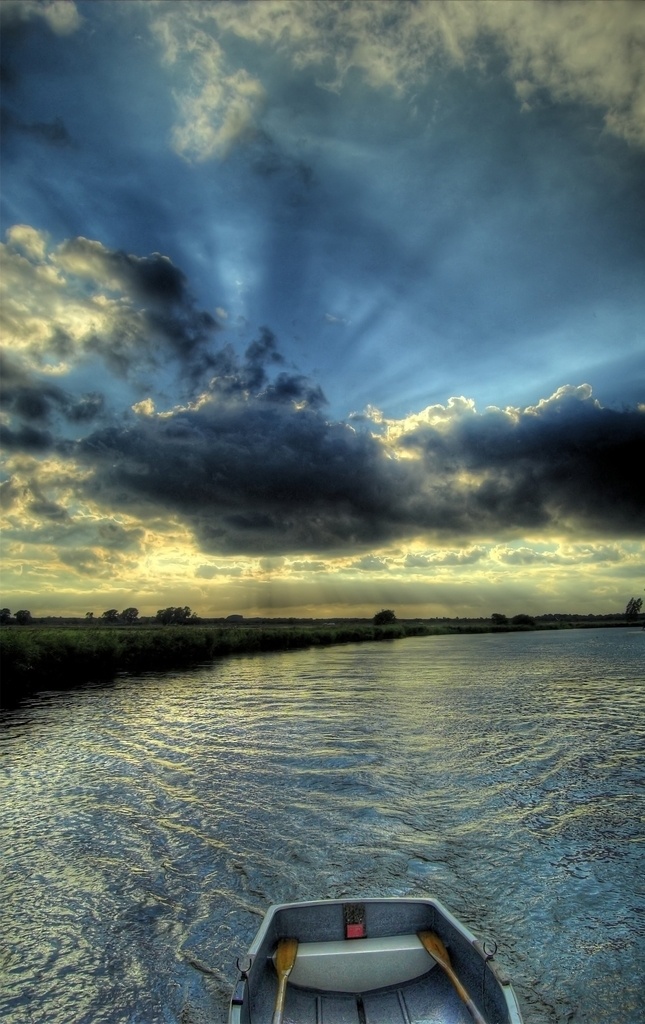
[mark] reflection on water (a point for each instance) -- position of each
(148, 825)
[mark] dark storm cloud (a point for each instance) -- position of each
(37, 402)
(10, 494)
(266, 472)
(33, 401)
(258, 353)
(251, 471)
(87, 408)
(138, 312)
(41, 507)
(247, 479)
(84, 561)
(187, 333)
(19, 393)
(565, 461)
(149, 279)
(289, 387)
(25, 439)
(233, 378)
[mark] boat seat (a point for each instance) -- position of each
(360, 965)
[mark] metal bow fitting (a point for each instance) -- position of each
(490, 948)
(244, 964)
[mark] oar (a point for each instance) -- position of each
(285, 958)
(435, 947)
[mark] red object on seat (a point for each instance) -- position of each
(355, 931)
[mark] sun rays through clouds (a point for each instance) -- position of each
(322, 307)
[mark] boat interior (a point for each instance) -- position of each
(363, 963)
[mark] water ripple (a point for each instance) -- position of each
(147, 826)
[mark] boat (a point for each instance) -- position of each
(369, 961)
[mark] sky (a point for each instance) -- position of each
(314, 308)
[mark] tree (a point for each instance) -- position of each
(23, 617)
(129, 615)
(523, 620)
(111, 615)
(384, 617)
(632, 611)
(498, 619)
(5, 616)
(89, 615)
(175, 616)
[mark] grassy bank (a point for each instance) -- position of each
(38, 658)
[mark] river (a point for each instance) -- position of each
(147, 825)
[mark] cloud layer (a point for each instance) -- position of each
(549, 49)
(265, 472)
(250, 462)
(250, 253)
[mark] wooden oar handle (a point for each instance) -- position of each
(278, 1013)
(463, 994)
(435, 947)
(285, 958)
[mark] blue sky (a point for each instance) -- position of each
(315, 308)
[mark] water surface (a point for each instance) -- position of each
(148, 825)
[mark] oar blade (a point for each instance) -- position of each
(285, 956)
(435, 947)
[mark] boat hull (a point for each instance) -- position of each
(360, 961)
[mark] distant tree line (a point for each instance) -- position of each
(182, 615)
(521, 619)
(176, 616)
(166, 616)
(112, 616)
(22, 617)
(128, 616)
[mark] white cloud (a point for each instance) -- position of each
(28, 241)
(61, 15)
(591, 53)
(217, 105)
(35, 300)
(61, 305)
(217, 115)
(445, 418)
(371, 563)
(561, 554)
(567, 393)
(144, 408)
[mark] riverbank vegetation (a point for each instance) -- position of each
(55, 654)
(36, 657)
